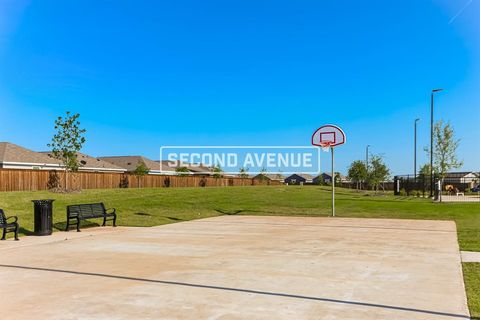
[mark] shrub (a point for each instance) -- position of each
(402, 192)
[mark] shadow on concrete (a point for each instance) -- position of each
(83, 224)
(250, 291)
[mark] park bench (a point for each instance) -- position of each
(78, 212)
(8, 226)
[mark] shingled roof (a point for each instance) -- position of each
(131, 162)
(90, 163)
(11, 153)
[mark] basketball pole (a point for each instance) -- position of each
(333, 185)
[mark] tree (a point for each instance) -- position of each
(140, 171)
(378, 172)
(243, 173)
(357, 172)
(424, 170)
(445, 149)
(182, 171)
(67, 141)
(217, 171)
(338, 177)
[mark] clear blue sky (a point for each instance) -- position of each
(148, 73)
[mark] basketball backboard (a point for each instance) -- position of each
(328, 135)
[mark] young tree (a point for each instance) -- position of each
(357, 172)
(217, 172)
(182, 171)
(243, 173)
(378, 172)
(445, 149)
(67, 141)
(140, 171)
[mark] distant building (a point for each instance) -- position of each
(13, 156)
(130, 163)
(299, 178)
(322, 178)
(91, 164)
(468, 177)
(270, 177)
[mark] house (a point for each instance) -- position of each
(467, 177)
(322, 178)
(13, 156)
(91, 164)
(191, 168)
(130, 163)
(269, 177)
(299, 178)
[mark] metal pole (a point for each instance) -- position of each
(366, 157)
(333, 186)
(431, 145)
(415, 152)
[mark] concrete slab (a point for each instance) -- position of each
(239, 267)
(470, 256)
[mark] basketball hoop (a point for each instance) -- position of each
(327, 137)
(326, 146)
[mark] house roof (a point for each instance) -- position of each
(169, 166)
(270, 176)
(324, 175)
(305, 176)
(458, 174)
(88, 162)
(12, 153)
(131, 162)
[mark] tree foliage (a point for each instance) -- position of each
(182, 171)
(243, 173)
(445, 149)
(68, 140)
(378, 172)
(357, 172)
(217, 171)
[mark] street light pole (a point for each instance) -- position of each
(415, 151)
(366, 156)
(431, 139)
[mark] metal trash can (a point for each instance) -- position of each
(43, 216)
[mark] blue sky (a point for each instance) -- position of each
(143, 74)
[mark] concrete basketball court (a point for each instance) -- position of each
(238, 267)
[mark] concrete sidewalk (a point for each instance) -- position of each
(239, 267)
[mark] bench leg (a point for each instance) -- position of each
(4, 233)
(78, 225)
(16, 231)
(104, 221)
(115, 220)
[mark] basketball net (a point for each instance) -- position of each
(326, 146)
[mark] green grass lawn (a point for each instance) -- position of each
(150, 207)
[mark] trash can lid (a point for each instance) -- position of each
(43, 201)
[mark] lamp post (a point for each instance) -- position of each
(415, 151)
(431, 138)
(366, 156)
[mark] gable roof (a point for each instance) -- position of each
(459, 174)
(269, 176)
(14, 154)
(191, 167)
(88, 162)
(130, 163)
(305, 176)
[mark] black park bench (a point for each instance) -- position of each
(7, 226)
(78, 212)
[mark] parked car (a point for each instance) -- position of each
(476, 188)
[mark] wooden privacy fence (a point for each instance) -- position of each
(30, 180)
